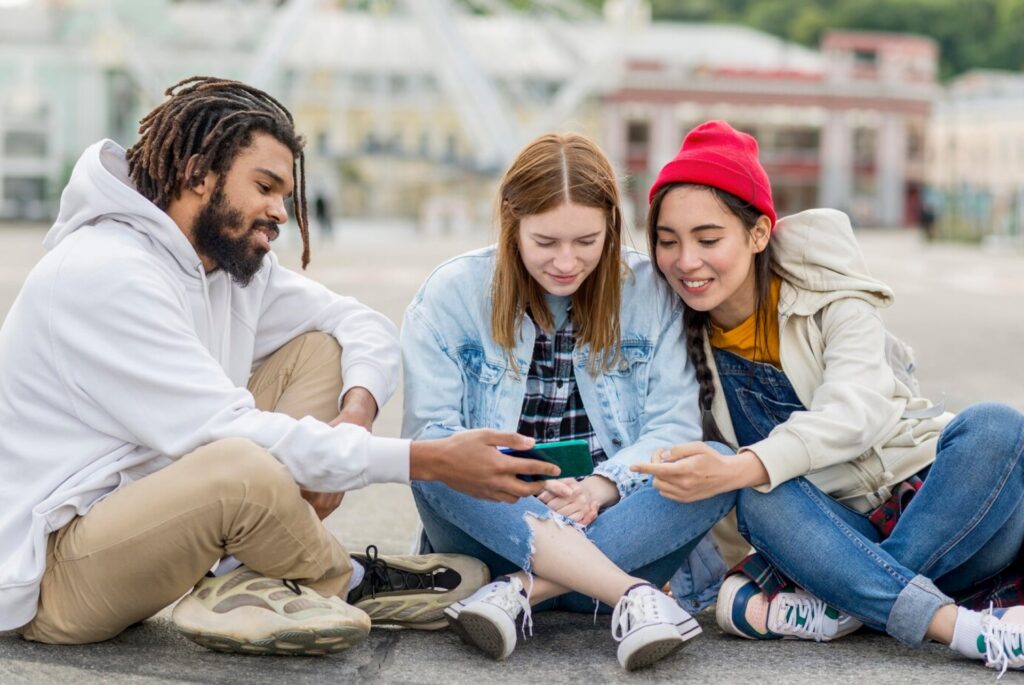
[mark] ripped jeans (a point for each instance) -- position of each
(645, 534)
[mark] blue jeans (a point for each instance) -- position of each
(964, 525)
(644, 534)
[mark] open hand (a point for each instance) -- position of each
(696, 471)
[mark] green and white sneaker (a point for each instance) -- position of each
(794, 614)
(1001, 641)
(245, 612)
(412, 591)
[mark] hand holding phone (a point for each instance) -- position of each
(571, 456)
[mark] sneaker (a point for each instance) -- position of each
(1002, 638)
(245, 612)
(487, 618)
(649, 626)
(413, 591)
(744, 610)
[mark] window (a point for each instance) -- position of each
(24, 144)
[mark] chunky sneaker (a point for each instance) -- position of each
(649, 626)
(744, 610)
(413, 591)
(1002, 638)
(243, 611)
(487, 618)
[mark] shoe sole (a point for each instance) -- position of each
(480, 632)
(655, 651)
(419, 625)
(285, 643)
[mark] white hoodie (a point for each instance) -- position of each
(121, 355)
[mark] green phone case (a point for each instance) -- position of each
(571, 456)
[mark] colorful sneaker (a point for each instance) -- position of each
(413, 591)
(245, 612)
(649, 626)
(487, 618)
(794, 614)
(1002, 638)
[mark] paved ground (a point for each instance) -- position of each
(961, 308)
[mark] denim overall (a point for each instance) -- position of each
(963, 526)
(759, 396)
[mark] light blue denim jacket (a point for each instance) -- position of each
(457, 377)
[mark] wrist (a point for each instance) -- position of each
(423, 460)
(601, 490)
(751, 472)
(359, 400)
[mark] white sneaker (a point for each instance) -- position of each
(795, 614)
(649, 626)
(1002, 638)
(487, 618)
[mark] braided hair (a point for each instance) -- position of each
(213, 119)
(696, 324)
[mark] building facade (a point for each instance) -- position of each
(414, 108)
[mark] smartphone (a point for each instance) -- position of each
(572, 456)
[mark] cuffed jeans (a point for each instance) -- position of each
(964, 525)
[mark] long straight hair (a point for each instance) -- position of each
(697, 325)
(553, 170)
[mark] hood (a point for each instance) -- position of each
(100, 190)
(817, 251)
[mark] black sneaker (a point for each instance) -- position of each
(413, 591)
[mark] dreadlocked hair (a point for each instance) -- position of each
(212, 119)
(697, 325)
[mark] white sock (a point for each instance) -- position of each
(357, 575)
(966, 632)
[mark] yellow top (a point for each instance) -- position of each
(740, 340)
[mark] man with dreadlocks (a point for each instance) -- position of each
(173, 399)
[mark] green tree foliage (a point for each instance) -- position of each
(971, 33)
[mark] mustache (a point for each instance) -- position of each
(269, 225)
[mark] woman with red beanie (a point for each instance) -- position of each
(865, 503)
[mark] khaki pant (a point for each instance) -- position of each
(144, 546)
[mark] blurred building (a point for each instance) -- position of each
(842, 127)
(976, 156)
(414, 107)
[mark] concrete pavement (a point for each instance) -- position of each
(960, 307)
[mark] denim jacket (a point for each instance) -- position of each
(457, 377)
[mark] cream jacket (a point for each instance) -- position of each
(857, 438)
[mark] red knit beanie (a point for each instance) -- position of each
(715, 154)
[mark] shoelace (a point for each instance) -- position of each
(796, 607)
(383, 577)
(509, 598)
(634, 608)
(1004, 643)
(292, 585)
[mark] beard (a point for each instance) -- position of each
(212, 230)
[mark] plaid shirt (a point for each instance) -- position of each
(552, 408)
(1004, 590)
